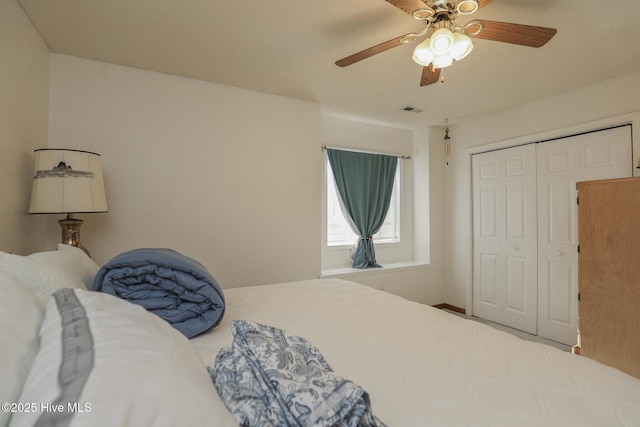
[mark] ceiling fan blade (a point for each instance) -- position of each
(364, 54)
(525, 35)
(409, 6)
(483, 3)
(430, 75)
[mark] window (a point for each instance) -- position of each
(338, 230)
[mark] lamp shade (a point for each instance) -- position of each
(422, 54)
(441, 41)
(462, 46)
(442, 61)
(67, 181)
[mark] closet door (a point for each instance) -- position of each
(505, 237)
(561, 163)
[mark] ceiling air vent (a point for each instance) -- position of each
(411, 109)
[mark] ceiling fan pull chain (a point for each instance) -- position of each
(442, 75)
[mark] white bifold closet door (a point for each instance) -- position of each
(561, 164)
(505, 237)
(525, 228)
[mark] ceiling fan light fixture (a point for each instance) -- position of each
(462, 46)
(442, 61)
(448, 41)
(467, 7)
(441, 41)
(422, 54)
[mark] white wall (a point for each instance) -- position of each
(576, 109)
(193, 166)
(341, 133)
(227, 176)
(160, 135)
(24, 110)
(416, 269)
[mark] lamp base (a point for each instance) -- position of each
(71, 232)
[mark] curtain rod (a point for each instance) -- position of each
(324, 147)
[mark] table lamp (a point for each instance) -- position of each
(68, 182)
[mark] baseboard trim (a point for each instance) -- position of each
(451, 307)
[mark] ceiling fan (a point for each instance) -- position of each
(448, 41)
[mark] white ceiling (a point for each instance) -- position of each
(288, 48)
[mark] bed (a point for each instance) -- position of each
(419, 366)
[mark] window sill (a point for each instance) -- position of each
(386, 268)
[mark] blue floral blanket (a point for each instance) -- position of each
(167, 283)
(272, 378)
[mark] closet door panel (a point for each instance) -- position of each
(488, 281)
(516, 298)
(525, 228)
(561, 164)
(504, 270)
(560, 291)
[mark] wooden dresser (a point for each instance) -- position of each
(609, 272)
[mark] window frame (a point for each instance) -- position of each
(335, 261)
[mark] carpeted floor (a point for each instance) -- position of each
(521, 334)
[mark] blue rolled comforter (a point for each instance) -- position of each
(173, 286)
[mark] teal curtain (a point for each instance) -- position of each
(364, 182)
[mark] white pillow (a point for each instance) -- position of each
(20, 317)
(44, 272)
(142, 371)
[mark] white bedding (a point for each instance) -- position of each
(420, 366)
(424, 367)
